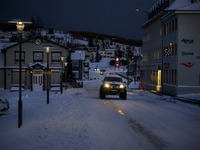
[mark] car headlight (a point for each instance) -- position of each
(107, 85)
(121, 86)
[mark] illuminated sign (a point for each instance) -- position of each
(167, 52)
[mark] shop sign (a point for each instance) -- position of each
(189, 64)
(166, 65)
(187, 41)
(49, 73)
(186, 53)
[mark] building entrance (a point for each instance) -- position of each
(37, 81)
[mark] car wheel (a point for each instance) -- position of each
(102, 94)
(123, 96)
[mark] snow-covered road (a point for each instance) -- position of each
(79, 120)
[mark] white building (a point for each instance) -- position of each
(107, 53)
(171, 47)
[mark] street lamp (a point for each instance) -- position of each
(20, 27)
(66, 63)
(140, 10)
(47, 51)
(144, 11)
(61, 75)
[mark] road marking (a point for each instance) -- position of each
(114, 107)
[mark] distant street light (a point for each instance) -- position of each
(20, 27)
(61, 75)
(47, 51)
(140, 10)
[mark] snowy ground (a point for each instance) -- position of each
(79, 120)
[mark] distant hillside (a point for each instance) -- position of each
(93, 35)
(82, 34)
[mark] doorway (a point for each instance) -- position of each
(159, 81)
(37, 81)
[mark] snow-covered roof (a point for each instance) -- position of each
(78, 55)
(38, 63)
(184, 5)
(2, 46)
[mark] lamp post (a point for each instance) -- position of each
(20, 27)
(61, 75)
(47, 51)
(66, 74)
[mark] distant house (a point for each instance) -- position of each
(78, 58)
(34, 64)
(107, 53)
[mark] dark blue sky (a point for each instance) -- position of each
(112, 17)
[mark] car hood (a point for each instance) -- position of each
(113, 82)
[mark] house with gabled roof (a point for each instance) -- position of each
(34, 64)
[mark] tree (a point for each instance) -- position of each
(37, 25)
(98, 57)
(91, 44)
(69, 76)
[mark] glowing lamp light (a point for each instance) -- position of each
(47, 48)
(62, 58)
(170, 45)
(20, 24)
(107, 85)
(121, 86)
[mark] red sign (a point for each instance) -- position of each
(189, 64)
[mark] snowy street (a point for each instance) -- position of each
(79, 119)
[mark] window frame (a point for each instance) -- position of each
(58, 57)
(36, 60)
(17, 56)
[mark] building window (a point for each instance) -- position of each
(166, 76)
(175, 76)
(37, 56)
(175, 25)
(55, 56)
(75, 63)
(172, 25)
(76, 73)
(166, 29)
(17, 56)
(175, 49)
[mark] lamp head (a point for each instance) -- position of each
(20, 24)
(47, 48)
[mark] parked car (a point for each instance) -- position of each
(113, 85)
(4, 104)
(102, 72)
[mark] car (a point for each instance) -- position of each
(113, 85)
(96, 69)
(102, 72)
(4, 104)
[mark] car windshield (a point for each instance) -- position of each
(113, 79)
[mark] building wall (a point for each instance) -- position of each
(179, 79)
(189, 31)
(12, 67)
(182, 30)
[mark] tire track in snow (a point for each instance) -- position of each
(156, 141)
